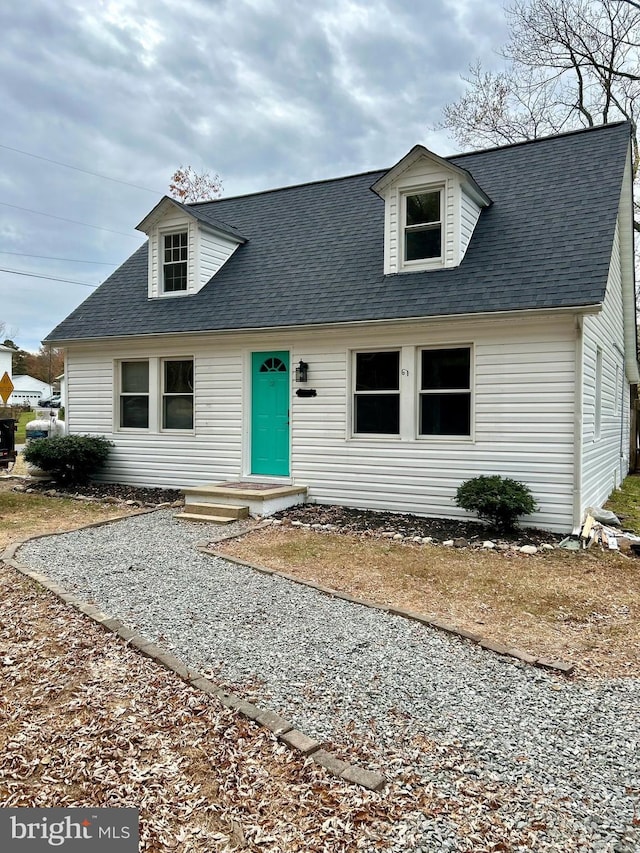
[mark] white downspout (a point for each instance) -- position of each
(621, 472)
(577, 427)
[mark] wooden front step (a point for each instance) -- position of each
(196, 516)
(216, 513)
(261, 498)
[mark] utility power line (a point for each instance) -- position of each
(48, 277)
(54, 258)
(78, 169)
(72, 221)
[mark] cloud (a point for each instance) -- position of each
(262, 92)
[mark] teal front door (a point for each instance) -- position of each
(270, 413)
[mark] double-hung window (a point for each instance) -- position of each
(376, 399)
(423, 226)
(155, 394)
(177, 394)
(445, 391)
(175, 257)
(134, 394)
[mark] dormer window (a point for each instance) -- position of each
(423, 226)
(187, 247)
(175, 262)
(431, 208)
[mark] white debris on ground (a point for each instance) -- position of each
(598, 529)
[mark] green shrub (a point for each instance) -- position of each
(500, 500)
(70, 459)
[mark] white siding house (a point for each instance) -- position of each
(446, 329)
(27, 391)
(512, 432)
(5, 361)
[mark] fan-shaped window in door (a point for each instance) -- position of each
(273, 365)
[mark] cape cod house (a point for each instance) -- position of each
(378, 338)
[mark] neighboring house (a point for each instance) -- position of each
(5, 361)
(61, 382)
(459, 316)
(27, 391)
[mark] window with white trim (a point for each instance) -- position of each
(134, 394)
(175, 258)
(445, 391)
(422, 224)
(155, 394)
(177, 394)
(376, 397)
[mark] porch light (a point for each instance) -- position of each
(301, 371)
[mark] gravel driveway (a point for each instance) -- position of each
(556, 763)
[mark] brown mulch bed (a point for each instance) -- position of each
(111, 491)
(349, 520)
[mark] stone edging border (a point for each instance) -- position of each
(284, 731)
(552, 665)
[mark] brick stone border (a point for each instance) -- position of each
(553, 665)
(296, 740)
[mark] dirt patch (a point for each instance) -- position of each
(581, 607)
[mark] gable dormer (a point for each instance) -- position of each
(431, 210)
(187, 246)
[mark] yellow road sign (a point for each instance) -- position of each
(6, 387)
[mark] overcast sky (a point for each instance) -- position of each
(264, 92)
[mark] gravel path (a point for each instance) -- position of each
(503, 749)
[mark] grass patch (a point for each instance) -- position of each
(625, 502)
(23, 515)
(23, 420)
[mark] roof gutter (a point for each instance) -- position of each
(523, 313)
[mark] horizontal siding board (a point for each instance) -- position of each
(214, 252)
(605, 457)
(469, 214)
(524, 421)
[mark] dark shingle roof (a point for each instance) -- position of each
(201, 212)
(315, 252)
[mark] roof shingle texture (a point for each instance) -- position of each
(315, 252)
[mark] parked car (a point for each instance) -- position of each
(53, 402)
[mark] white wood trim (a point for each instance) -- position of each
(422, 263)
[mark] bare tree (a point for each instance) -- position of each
(631, 3)
(187, 185)
(570, 64)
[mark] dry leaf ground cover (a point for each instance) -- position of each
(86, 721)
(581, 607)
